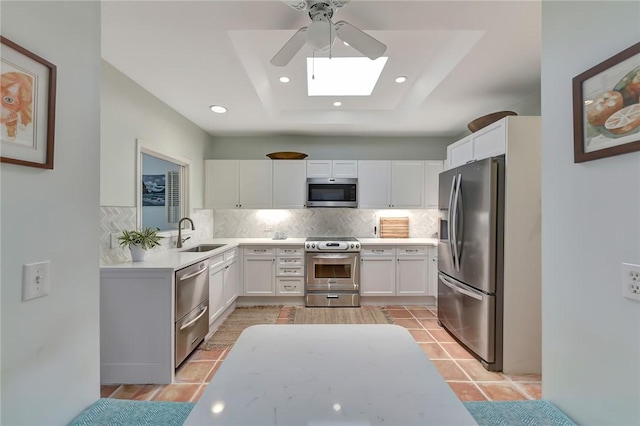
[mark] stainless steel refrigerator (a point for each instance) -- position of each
(470, 257)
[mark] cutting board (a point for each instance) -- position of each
(394, 227)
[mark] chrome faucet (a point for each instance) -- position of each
(180, 241)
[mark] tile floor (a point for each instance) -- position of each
(468, 379)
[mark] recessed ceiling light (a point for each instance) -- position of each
(284, 79)
(345, 43)
(401, 79)
(218, 108)
(337, 103)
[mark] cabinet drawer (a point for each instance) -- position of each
(290, 286)
(377, 251)
(266, 251)
(290, 261)
(231, 254)
(290, 251)
(290, 271)
(412, 251)
(215, 262)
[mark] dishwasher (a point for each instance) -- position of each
(191, 305)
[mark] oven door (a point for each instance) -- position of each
(332, 272)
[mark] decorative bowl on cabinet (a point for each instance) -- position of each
(284, 155)
(485, 120)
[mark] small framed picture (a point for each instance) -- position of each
(28, 101)
(606, 107)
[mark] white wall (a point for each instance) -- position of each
(330, 147)
(50, 345)
(129, 112)
(591, 224)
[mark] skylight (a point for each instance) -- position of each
(343, 76)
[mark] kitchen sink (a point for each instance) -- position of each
(203, 247)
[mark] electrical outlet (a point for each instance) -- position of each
(114, 239)
(631, 281)
(35, 280)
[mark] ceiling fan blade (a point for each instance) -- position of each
(359, 40)
(290, 48)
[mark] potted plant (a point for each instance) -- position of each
(140, 241)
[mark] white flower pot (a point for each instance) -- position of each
(137, 253)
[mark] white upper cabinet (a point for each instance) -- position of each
(407, 184)
(374, 184)
(332, 168)
(487, 142)
(432, 170)
(255, 184)
(345, 168)
(289, 189)
(238, 184)
(390, 184)
(221, 184)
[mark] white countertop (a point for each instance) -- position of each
(328, 375)
(174, 259)
(396, 241)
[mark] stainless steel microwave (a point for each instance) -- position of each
(332, 192)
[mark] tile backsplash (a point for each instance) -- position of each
(116, 219)
(244, 223)
(423, 223)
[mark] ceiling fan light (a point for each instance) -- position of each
(320, 35)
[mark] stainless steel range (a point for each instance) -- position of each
(332, 271)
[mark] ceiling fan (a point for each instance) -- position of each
(322, 33)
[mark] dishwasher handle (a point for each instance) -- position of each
(193, 321)
(194, 274)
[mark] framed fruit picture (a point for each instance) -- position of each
(606, 107)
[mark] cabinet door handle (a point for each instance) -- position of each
(378, 251)
(411, 250)
(289, 287)
(260, 251)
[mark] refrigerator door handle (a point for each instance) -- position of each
(460, 221)
(450, 224)
(454, 287)
(455, 223)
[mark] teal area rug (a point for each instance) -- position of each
(517, 413)
(121, 412)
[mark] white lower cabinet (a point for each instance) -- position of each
(259, 271)
(411, 276)
(274, 271)
(432, 280)
(230, 292)
(290, 286)
(290, 271)
(223, 287)
(377, 271)
(216, 288)
(398, 271)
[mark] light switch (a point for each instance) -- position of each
(35, 280)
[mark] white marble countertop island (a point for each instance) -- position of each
(328, 375)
